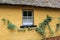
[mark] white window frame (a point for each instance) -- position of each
(28, 18)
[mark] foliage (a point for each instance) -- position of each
(9, 24)
(30, 29)
(51, 32)
(58, 25)
(4, 20)
(59, 18)
(40, 31)
(42, 26)
(22, 29)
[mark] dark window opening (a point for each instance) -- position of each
(29, 13)
(24, 13)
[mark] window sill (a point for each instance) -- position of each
(27, 26)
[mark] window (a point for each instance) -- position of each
(27, 17)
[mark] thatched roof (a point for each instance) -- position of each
(41, 3)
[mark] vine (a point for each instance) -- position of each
(42, 26)
(9, 24)
(58, 25)
(4, 20)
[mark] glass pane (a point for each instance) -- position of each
(24, 13)
(24, 17)
(27, 21)
(29, 13)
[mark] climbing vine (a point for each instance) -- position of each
(9, 24)
(40, 29)
(58, 25)
(4, 20)
(42, 26)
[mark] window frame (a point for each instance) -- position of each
(32, 15)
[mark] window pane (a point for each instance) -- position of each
(24, 13)
(29, 13)
(27, 22)
(24, 17)
(30, 17)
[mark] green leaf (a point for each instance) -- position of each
(39, 30)
(4, 20)
(57, 27)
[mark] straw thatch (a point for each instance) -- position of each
(41, 3)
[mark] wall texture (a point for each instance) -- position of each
(14, 14)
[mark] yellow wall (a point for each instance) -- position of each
(14, 14)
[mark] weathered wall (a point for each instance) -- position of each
(14, 14)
